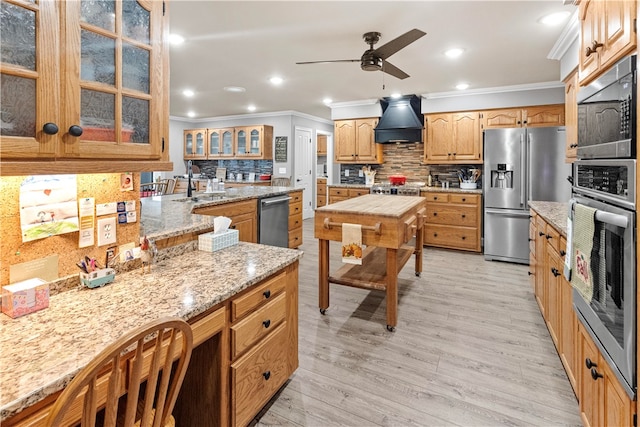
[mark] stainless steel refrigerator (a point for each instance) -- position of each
(520, 164)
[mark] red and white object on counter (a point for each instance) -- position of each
(397, 179)
(25, 297)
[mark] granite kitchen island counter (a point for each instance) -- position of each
(555, 213)
(42, 351)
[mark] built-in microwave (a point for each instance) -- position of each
(607, 114)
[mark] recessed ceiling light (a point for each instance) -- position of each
(462, 86)
(176, 39)
(234, 89)
(454, 53)
(327, 101)
(191, 114)
(396, 95)
(251, 108)
(276, 80)
(555, 18)
(188, 93)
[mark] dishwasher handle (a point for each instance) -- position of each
(267, 202)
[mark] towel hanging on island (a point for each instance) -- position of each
(582, 245)
(352, 243)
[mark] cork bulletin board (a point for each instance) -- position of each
(103, 187)
(280, 149)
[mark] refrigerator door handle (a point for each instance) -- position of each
(523, 172)
(507, 212)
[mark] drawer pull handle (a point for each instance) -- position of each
(435, 234)
(548, 236)
(267, 294)
(266, 323)
(589, 363)
(435, 198)
(464, 216)
(464, 237)
(464, 199)
(266, 375)
(540, 233)
(435, 214)
(595, 374)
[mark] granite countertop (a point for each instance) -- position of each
(422, 189)
(171, 215)
(42, 351)
(555, 213)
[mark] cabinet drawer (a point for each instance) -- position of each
(295, 208)
(257, 325)
(436, 197)
(207, 327)
(296, 196)
(336, 199)
(464, 199)
(256, 376)
(532, 238)
(356, 192)
(451, 237)
(322, 200)
(341, 192)
(553, 238)
(295, 221)
(261, 294)
(295, 237)
(322, 189)
(452, 215)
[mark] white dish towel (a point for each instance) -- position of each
(352, 243)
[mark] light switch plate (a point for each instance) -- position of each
(106, 231)
(360, 173)
(346, 172)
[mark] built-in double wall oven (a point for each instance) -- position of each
(605, 179)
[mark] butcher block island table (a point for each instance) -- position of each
(388, 223)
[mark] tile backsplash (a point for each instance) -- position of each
(405, 159)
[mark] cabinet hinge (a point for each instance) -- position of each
(164, 8)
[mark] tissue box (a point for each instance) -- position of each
(98, 278)
(211, 242)
(25, 297)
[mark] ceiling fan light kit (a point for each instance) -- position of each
(376, 59)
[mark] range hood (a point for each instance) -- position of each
(401, 120)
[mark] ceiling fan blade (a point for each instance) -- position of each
(322, 62)
(393, 70)
(388, 49)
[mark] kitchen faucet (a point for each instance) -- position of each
(190, 175)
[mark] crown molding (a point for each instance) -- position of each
(493, 90)
(253, 115)
(569, 34)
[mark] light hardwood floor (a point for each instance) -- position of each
(470, 349)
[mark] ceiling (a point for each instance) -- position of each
(244, 43)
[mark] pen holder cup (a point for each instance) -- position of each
(468, 185)
(97, 278)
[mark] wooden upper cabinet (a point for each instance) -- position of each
(321, 145)
(102, 96)
(257, 142)
(571, 115)
(536, 116)
(195, 144)
(607, 33)
(220, 143)
(453, 138)
(355, 141)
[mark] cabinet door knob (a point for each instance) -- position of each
(593, 48)
(530, 273)
(435, 234)
(464, 216)
(267, 294)
(589, 363)
(435, 214)
(595, 374)
(266, 323)
(563, 253)
(540, 233)
(555, 272)
(267, 375)
(548, 236)
(75, 130)
(50, 128)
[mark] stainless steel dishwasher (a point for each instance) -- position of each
(273, 225)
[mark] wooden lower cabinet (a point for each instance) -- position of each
(321, 192)
(337, 194)
(243, 215)
(453, 220)
(295, 219)
(603, 401)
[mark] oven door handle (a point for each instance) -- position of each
(611, 218)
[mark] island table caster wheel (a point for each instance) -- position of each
(323, 311)
(391, 328)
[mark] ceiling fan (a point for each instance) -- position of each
(376, 59)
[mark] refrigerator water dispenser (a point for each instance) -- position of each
(502, 176)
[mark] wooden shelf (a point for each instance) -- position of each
(372, 274)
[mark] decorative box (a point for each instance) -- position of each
(25, 297)
(98, 278)
(211, 242)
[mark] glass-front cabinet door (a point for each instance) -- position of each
(241, 142)
(113, 51)
(195, 143)
(213, 136)
(29, 79)
(227, 142)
